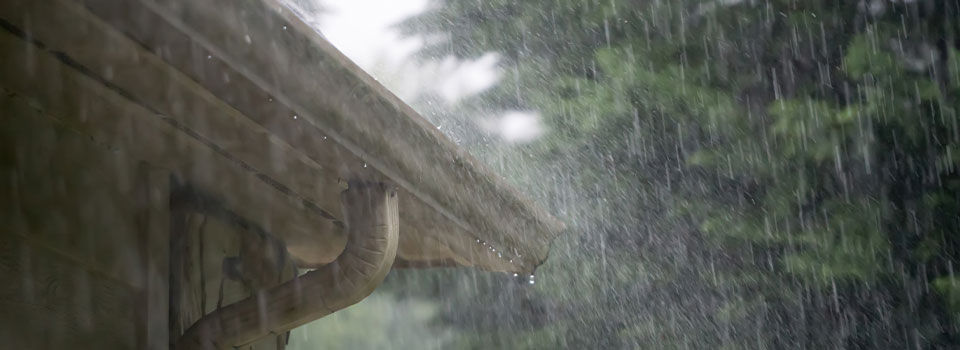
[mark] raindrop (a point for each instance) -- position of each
(247, 39)
(284, 27)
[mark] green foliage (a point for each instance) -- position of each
(849, 247)
(377, 313)
(751, 174)
(948, 288)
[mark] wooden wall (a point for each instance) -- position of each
(86, 242)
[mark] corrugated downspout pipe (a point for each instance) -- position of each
(371, 221)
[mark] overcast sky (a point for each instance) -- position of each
(364, 31)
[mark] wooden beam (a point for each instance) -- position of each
(153, 218)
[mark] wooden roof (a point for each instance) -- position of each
(244, 100)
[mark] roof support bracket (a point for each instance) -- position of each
(371, 220)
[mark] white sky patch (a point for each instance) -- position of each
(361, 29)
(364, 31)
(468, 77)
(517, 126)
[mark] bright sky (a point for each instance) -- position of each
(364, 31)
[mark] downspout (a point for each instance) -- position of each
(371, 221)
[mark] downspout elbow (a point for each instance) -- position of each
(371, 220)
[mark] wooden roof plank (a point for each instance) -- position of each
(236, 72)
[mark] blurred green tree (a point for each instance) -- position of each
(737, 174)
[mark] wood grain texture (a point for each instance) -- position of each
(81, 252)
